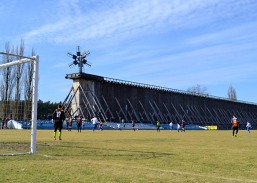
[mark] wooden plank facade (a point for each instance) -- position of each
(114, 100)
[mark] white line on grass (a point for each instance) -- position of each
(178, 172)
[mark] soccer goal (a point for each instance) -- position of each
(18, 104)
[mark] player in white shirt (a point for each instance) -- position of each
(94, 121)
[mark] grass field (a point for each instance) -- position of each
(127, 156)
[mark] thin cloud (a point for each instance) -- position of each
(204, 64)
(125, 19)
(168, 43)
(234, 34)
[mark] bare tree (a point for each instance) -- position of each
(198, 90)
(7, 83)
(28, 80)
(18, 70)
(16, 85)
(232, 93)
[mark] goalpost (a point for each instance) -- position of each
(35, 60)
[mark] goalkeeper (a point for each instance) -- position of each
(58, 118)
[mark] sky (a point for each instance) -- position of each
(176, 44)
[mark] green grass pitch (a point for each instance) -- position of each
(128, 156)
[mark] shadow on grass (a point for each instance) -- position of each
(14, 145)
(104, 152)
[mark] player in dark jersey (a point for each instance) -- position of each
(183, 124)
(79, 123)
(133, 125)
(235, 125)
(58, 118)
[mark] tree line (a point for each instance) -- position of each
(198, 89)
(46, 109)
(16, 87)
(16, 84)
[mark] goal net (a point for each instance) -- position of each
(18, 104)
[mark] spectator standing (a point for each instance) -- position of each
(70, 124)
(123, 124)
(178, 127)
(101, 125)
(5, 122)
(183, 124)
(67, 124)
(118, 126)
(133, 125)
(2, 126)
(171, 125)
